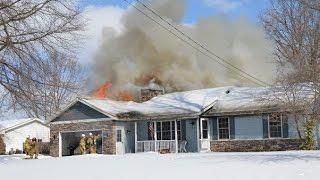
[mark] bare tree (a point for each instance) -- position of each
(31, 33)
(63, 81)
(294, 26)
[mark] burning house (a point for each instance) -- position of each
(144, 117)
(215, 119)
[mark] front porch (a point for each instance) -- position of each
(168, 136)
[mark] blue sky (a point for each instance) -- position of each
(202, 8)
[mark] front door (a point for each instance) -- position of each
(204, 134)
(120, 141)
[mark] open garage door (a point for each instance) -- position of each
(70, 142)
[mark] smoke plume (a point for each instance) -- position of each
(144, 52)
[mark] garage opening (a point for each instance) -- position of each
(70, 142)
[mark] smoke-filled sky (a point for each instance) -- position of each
(133, 49)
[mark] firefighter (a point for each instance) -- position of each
(90, 143)
(94, 147)
(33, 150)
(36, 148)
(82, 144)
(27, 146)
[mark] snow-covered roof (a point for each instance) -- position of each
(189, 102)
(6, 125)
(195, 102)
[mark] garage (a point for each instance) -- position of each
(70, 142)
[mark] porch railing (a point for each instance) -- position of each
(147, 146)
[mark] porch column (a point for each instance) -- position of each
(60, 145)
(201, 129)
(135, 137)
(176, 134)
(198, 138)
(155, 135)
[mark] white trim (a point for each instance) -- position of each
(60, 144)
(228, 128)
(83, 120)
(155, 135)
(201, 130)
(176, 134)
(85, 130)
(27, 121)
(135, 137)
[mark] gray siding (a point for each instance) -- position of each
(292, 127)
(248, 127)
(191, 135)
(79, 111)
(142, 130)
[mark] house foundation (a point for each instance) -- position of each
(255, 145)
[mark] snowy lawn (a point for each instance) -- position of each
(291, 165)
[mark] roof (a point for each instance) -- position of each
(6, 125)
(221, 99)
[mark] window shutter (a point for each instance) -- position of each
(214, 128)
(285, 126)
(265, 127)
(232, 128)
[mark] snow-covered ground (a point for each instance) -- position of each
(292, 165)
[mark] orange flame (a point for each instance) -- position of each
(124, 96)
(102, 91)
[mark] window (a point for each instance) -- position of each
(119, 135)
(166, 130)
(223, 128)
(275, 126)
(166, 135)
(179, 130)
(205, 129)
(159, 137)
(172, 130)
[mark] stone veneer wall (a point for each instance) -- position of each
(107, 127)
(2, 145)
(255, 145)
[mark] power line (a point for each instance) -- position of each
(198, 44)
(194, 41)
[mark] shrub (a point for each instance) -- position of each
(44, 148)
(18, 151)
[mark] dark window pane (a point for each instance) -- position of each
(205, 134)
(275, 126)
(119, 135)
(204, 124)
(223, 124)
(166, 135)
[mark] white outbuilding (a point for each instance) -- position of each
(14, 132)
